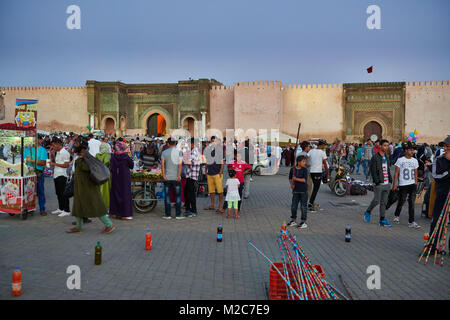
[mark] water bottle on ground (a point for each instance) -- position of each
(148, 240)
(348, 233)
(426, 236)
(98, 254)
(219, 233)
(17, 282)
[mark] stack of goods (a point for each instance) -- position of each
(303, 281)
(147, 176)
(439, 237)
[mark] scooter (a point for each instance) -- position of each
(262, 162)
(339, 178)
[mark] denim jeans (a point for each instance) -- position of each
(365, 165)
(302, 198)
(177, 186)
(41, 192)
(380, 197)
(409, 192)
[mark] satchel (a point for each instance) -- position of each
(99, 173)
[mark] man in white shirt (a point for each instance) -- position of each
(406, 175)
(94, 145)
(60, 160)
(318, 161)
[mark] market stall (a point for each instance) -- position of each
(144, 185)
(17, 179)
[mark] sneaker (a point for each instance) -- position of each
(167, 217)
(179, 218)
(57, 211)
(194, 214)
(367, 216)
(292, 224)
(302, 225)
(64, 214)
(109, 230)
(251, 180)
(385, 223)
(397, 219)
(413, 225)
(311, 208)
(188, 215)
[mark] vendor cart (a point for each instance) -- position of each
(18, 180)
(144, 190)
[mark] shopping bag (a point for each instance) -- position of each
(393, 198)
(99, 173)
(68, 190)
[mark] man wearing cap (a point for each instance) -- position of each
(441, 174)
(42, 156)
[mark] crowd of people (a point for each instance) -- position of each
(181, 163)
(410, 162)
(184, 164)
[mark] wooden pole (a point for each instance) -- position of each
(296, 142)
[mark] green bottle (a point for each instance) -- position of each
(98, 254)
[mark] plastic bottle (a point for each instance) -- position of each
(219, 233)
(148, 240)
(17, 282)
(98, 254)
(426, 236)
(284, 226)
(348, 233)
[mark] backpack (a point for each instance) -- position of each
(357, 190)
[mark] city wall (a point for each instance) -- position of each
(428, 110)
(59, 108)
(318, 107)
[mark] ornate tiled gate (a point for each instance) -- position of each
(382, 103)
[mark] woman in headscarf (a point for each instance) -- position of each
(105, 157)
(87, 199)
(121, 205)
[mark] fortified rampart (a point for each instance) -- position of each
(59, 108)
(428, 109)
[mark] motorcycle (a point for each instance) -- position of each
(339, 179)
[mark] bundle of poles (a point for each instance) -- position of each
(303, 281)
(438, 238)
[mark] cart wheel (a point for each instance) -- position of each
(144, 206)
(257, 170)
(24, 215)
(11, 214)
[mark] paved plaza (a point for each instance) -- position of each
(186, 262)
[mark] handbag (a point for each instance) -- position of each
(69, 189)
(99, 173)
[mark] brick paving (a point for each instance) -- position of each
(186, 262)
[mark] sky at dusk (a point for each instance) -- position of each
(293, 41)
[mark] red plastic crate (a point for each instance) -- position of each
(277, 286)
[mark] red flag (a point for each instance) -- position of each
(369, 70)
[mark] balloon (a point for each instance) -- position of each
(416, 136)
(411, 134)
(414, 140)
(416, 131)
(410, 139)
